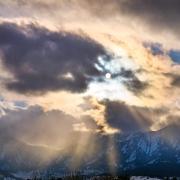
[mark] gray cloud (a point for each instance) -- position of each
(128, 118)
(90, 123)
(34, 125)
(136, 86)
(43, 61)
(132, 82)
(158, 15)
(176, 80)
(41, 137)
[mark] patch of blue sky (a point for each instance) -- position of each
(20, 104)
(115, 65)
(156, 48)
(175, 56)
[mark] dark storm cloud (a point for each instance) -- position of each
(127, 118)
(42, 61)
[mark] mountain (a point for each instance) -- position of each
(142, 153)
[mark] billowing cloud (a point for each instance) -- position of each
(41, 60)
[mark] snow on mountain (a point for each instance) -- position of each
(141, 153)
(143, 178)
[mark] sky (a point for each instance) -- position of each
(100, 67)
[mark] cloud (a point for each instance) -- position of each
(132, 82)
(45, 136)
(43, 61)
(136, 86)
(36, 126)
(90, 123)
(161, 12)
(116, 24)
(145, 19)
(176, 80)
(155, 48)
(158, 15)
(128, 118)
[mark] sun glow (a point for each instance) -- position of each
(108, 76)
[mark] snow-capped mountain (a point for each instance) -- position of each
(141, 153)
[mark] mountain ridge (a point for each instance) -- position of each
(140, 153)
